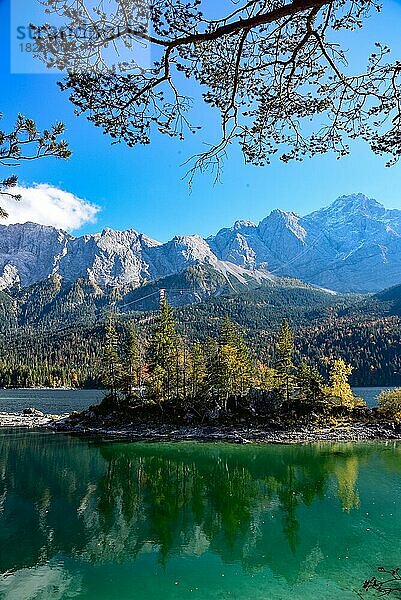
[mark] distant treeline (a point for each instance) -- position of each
(69, 356)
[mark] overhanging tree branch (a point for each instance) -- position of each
(268, 67)
(25, 143)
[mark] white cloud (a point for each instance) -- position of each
(48, 205)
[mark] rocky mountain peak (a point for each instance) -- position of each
(353, 205)
(352, 245)
(281, 220)
(240, 225)
(358, 200)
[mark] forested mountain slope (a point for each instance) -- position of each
(56, 330)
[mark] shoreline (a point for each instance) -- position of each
(352, 432)
(48, 389)
(241, 434)
(29, 418)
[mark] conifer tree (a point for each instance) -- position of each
(228, 333)
(265, 377)
(310, 383)
(339, 383)
(163, 355)
(131, 368)
(235, 369)
(284, 361)
(211, 351)
(198, 369)
(110, 364)
(227, 368)
(245, 367)
(181, 360)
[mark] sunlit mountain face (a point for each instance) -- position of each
(354, 245)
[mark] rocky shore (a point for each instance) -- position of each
(243, 434)
(352, 432)
(29, 417)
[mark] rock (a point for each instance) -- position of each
(238, 434)
(30, 417)
(362, 252)
(32, 412)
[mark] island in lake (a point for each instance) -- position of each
(180, 361)
(166, 388)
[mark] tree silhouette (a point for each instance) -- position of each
(269, 67)
(26, 143)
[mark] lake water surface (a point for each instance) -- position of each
(369, 394)
(63, 401)
(48, 401)
(99, 520)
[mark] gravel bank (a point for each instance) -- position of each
(74, 423)
(352, 432)
(30, 418)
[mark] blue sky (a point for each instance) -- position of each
(143, 188)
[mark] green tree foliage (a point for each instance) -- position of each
(181, 367)
(227, 370)
(24, 142)
(390, 405)
(132, 362)
(110, 368)
(234, 364)
(162, 356)
(56, 324)
(265, 377)
(245, 366)
(340, 388)
(167, 361)
(284, 361)
(310, 383)
(198, 369)
(211, 350)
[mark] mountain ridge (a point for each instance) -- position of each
(353, 245)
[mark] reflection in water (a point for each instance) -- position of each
(289, 509)
(346, 473)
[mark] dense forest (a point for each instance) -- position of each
(69, 356)
(51, 334)
(169, 379)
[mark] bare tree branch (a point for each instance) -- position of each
(280, 84)
(389, 586)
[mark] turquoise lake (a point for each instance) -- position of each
(62, 401)
(101, 520)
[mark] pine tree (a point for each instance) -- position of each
(198, 369)
(234, 365)
(181, 360)
(131, 368)
(228, 332)
(245, 367)
(163, 355)
(284, 361)
(310, 385)
(110, 369)
(265, 377)
(211, 351)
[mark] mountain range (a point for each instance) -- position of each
(354, 245)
